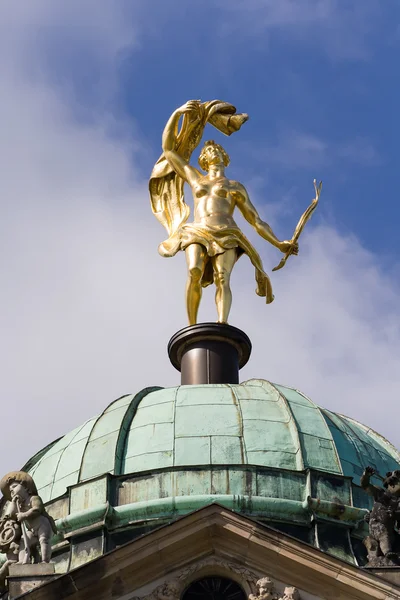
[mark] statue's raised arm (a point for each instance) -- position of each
(179, 163)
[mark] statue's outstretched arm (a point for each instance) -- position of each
(251, 215)
(179, 164)
(366, 484)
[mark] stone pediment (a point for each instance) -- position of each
(214, 541)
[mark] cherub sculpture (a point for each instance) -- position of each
(290, 593)
(25, 527)
(265, 590)
(383, 542)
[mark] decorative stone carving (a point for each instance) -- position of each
(383, 542)
(245, 574)
(172, 590)
(25, 525)
(265, 590)
(169, 590)
(290, 593)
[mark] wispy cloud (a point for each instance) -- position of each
(342, 30)
(295, 149)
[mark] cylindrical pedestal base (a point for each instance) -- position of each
(209, 353)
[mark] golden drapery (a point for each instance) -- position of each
(217, 239)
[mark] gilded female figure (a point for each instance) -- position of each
(212, 242)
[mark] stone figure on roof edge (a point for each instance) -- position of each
(26, 528)
(383, 542)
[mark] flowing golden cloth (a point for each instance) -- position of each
(216, 240)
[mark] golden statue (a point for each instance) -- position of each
(213, 242)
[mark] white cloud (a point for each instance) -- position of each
(87, 306)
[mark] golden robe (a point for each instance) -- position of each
(216, 240)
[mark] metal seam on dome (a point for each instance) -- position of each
(377, 437)
(174, 428)
(348, 437)
(298, 392)
(62, 453)
(322, 411)
(35, 459)
(352, 425)
(88, 437)
(327, 430)
(242, 441)
(286, 403)
(126, 424)
(44, 454)
(364, 444)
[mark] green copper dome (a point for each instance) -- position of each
(254, 423)
(258, 448)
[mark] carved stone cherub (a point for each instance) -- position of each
(383, 542)
(265, 590)
(25, 524)
(290, 593)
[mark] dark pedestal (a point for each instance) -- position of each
(209, 353)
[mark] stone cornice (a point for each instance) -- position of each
(216, 531)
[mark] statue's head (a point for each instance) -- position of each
(17, 483)
(265, 585)
(392, 482)
(172, 589)
(291, 593)
(212, 154)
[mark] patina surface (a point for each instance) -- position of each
(261, 449)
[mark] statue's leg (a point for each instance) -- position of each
(45, 548)
(196, 260)
(386, 543)
(223, 265)
(24, 554)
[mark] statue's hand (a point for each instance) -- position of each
(20, 517)
(287, 246)
(192, 106)
(369, 471)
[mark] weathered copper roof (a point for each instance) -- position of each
(260, 449)
(254, 423)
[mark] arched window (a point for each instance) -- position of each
(214, 588)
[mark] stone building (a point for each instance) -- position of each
(211, 491)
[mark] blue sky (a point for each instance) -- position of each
(318, 79)
(87, 305)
